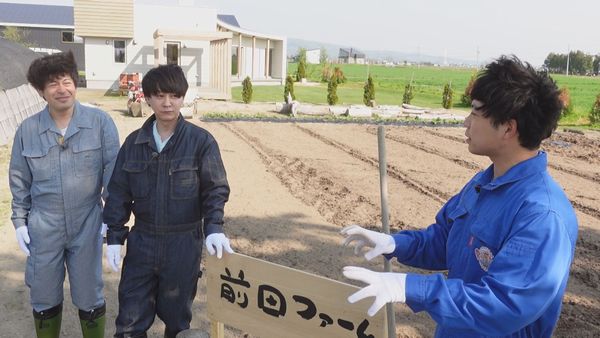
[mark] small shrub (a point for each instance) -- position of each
(369, 92)
(338, 75)
(408, 94)
(565, 97)
(595, 112)
(301, 71)
(332, 97)
(247, 90)
(289, 88)
(465, 98)
(447, 96)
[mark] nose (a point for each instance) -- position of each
(61, 87)
(467, 121)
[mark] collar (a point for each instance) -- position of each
(146, 134)
(79, 120)
(519, 171)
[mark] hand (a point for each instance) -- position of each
(103, 229)
(113, 256)
(380, 242)
(217, 241)
(386, 287)
(23, 238)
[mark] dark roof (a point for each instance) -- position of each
(350, 52)
(228, 19)
(36, 14)
(14, 63)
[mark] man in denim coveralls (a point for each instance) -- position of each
(62, 157)
(169, 173)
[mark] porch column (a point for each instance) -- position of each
(267, 75)
(253, 54)
(239, 53)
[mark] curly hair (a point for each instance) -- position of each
(511, 89)
(50, 67)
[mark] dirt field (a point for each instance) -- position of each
(293, 186)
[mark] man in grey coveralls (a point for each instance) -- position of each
(61, 159)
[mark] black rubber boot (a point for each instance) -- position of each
(47, 322)
(93, 321)
(170, 334)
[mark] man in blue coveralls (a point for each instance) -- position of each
(507, 238)
(61, 159)
(169, 173)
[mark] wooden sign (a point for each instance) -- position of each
(270, 300)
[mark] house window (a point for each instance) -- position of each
(67, 37)
(119, 51)
(173, 53)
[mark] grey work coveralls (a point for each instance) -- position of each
(56, 185)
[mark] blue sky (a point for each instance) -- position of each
(528, 28)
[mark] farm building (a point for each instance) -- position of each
(115, 37)
(351, 55)
(45, 29)
(127, 36)
(313, 56)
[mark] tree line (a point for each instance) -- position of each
(578, 63)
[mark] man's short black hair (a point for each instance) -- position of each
(165, 79)
(511, 89)
(50, 67)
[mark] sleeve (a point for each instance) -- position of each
(526, 275)
(110, 149)
(117, 208)
(20, 179)
(215, 189)
(426, 249)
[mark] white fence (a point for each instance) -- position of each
(17, 104)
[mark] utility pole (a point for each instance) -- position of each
(568, 58)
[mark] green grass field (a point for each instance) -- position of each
(429, 84)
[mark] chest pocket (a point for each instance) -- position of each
(87, 154)
(184, 180)
(42, 163)
(139, 181)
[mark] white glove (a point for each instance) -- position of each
(386, 287)
(103, 229)
(218, 241)
(23, 238)
(113, 256)
(380, 242)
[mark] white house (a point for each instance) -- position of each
(132, 36)
(313, 56)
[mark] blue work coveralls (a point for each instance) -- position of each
(177, 195)
(507, 244)
(56, 183)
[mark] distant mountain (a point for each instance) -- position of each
(293, 45)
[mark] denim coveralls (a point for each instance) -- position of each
(176, 195)
(56, 183)
(507, 243)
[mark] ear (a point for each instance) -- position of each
(511, 130)
(41, 94)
